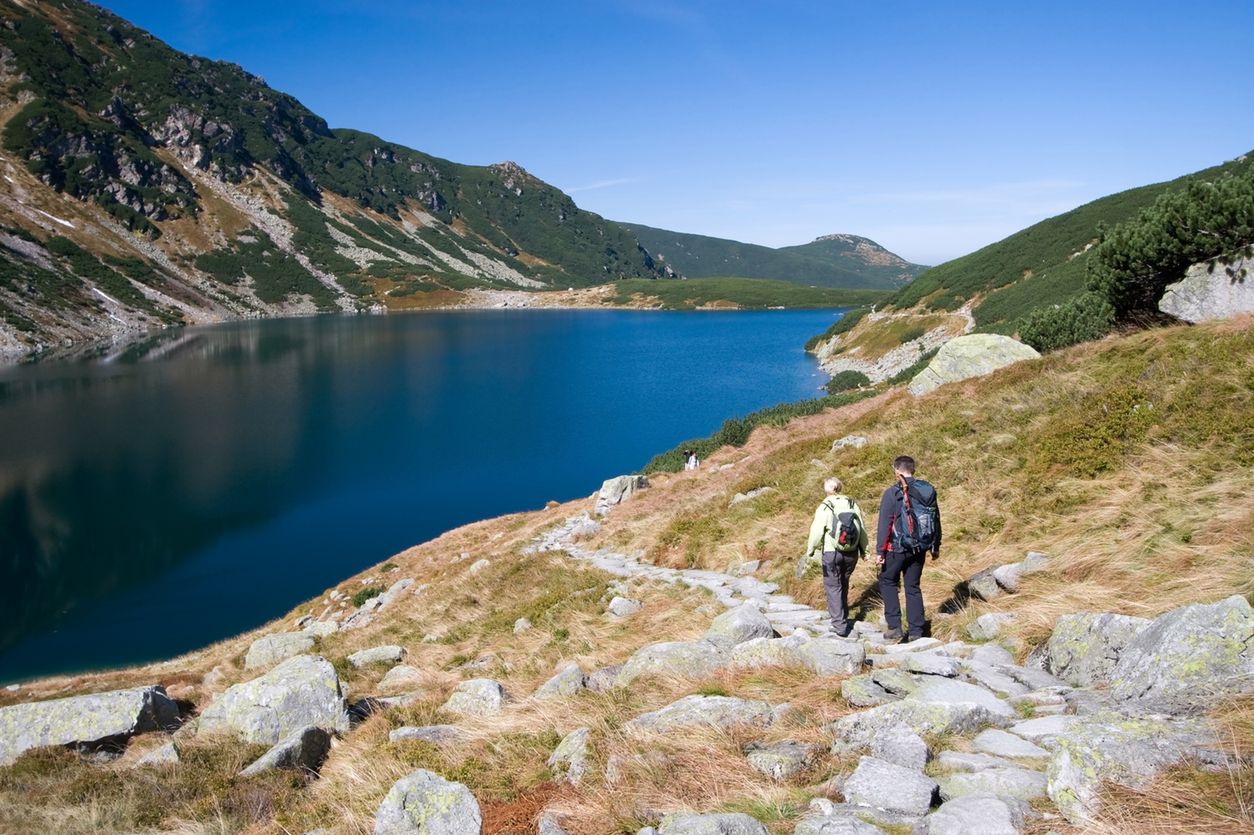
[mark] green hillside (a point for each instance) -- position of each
(1040, 266)
(831, 261)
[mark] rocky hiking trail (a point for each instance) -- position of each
(946, 737)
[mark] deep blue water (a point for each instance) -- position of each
(203, 484)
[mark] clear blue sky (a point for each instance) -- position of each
(934, 128)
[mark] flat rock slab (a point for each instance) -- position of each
(963, 761)
(269, 650)
(424, 803)
(948, 691)
(924, 718)
(167, 754)
(931, 664)
(731, 823)
(782, 760)
(304, 750)
(723, 712)
(89, 722)
(887, 786)
(435, 734)
(300, 692)
(976, 814)
(1019, 783)
(845, 824)
(1002, 744)
(476, 697)
(377, 655)
(1044, 731)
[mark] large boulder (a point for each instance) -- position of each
(99, 720)
(727, 823)
(304, 751)
(1084, 648)
(1124, 751)
(301, 691)
(691, 659)
(617, 490)
(884, 785)
(738, 625)
(424, 803)
(1189, 657)
(1211, 290)
(269, 650)
(722, 712)
(973, 355)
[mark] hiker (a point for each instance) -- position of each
(838, 533)
(690, 460)
(909, 527)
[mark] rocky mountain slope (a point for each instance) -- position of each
(845, 261)
(650, 656)
(143, 187)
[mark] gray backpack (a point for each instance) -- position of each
(846, 527)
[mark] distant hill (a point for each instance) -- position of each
(845, 261)
(1040, 266)
(143, 187)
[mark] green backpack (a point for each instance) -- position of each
(846, 526)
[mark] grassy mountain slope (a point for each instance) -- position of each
(144, 186)
(735, 294)
(845, 261)
(1092, 454)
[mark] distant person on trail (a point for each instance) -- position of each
(838, 533)
(690, 460)
(909, 527)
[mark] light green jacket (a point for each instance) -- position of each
(821, 527)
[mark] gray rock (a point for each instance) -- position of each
(999, 743)
(1034, 679)
(782, 760)
(832, 656)
(896, 682)
(269, 650)
(1186, 659)
(973, 355)
(479, 565)
(854, 441)
(322, 628)
(603, 679)
(96, 721)
(521, 625)
(927, 663)
(741, 498)
(828, 817)
(476, 697)
(621, 607)
(435, 734)
(390, 654)
(748, 567)
(723, 712)
(402, 677)
(1211, 290)
(569, 759)
(568, 681)
(948, 691)
(549, 825)
(1083, 649)
(993, 678)
(301, 691)
(304, 750)
(887, 786)
(989, 626)
(992, 654)
(924, 718)
(617, 490)
(424, 803)
(917, 645)
(984, 586)
(1046, 730)
(1009, 577)
(768, 652)
(167, 754)
(1005, 782)
(820, 824)
(1127, 752)
(728, 823)
(900, 746)
(691, 659)
(976, 814)
(960, 761)
(862, 691)
(738, 625)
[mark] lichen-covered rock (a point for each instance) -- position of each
(389, 654)
(976, 814)
(692, 659)
(1046, 730)
(568, 681)
(549, 825)
(973, 355)
(989, 626)
(1084, 648)
(992, 654)
(862, 691)
(1188, 657)
(570, 758)
(887, 786)
(781, 760)
(1019, 783)
(1001, 743)
(957, 761)
(301, 691)
(723, 712)
(424, 803)
(832, 656)
(304, 750)
(948, 691)
(98, 720)
(924, 718)
(606, 678)
(521, 625)
(1127, 752)
(768, 652)
(1211, 290)
(728, 823)
(738, 625)
(269, 650)
(476, 697)
(984, 586)
(618, 490)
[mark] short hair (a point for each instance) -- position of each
(904, 463)
(832, 485)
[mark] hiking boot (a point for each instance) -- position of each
(914, 636)
(844, 633)
(892, 635)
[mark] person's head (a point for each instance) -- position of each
(903, 465)
(832, 486)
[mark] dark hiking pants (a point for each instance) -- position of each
(896, 568)
(836, 570)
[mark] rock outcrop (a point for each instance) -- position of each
(300, 692)
(973, 355)
(269, 650)
(617, 490)
(1211, 290)
(94, 722)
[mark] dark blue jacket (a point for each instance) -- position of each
(890, 507)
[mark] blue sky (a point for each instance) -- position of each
(934, 128)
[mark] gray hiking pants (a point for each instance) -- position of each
(837, 568)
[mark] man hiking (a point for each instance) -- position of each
(838, 532)
(909, 527)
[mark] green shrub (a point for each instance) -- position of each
(846, 380)
(1082, 319)
(907, 374)
(365, 594)
(910, 334)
